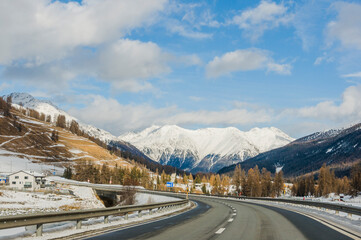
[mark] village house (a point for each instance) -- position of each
(26, 180)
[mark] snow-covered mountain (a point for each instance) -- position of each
(207, 149)
(48, 108)
(337, 148)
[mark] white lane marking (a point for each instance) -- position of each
(234, 210)
(220, 230)
(230, 220)
(234, 214)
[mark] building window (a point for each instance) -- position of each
(16, 177)
(26, 177)
(13, 182)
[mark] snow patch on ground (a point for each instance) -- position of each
(145, 198)
(31, 121)
(12, 162)
(75, 151)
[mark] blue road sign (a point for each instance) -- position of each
(169, 184)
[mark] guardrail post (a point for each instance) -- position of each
(349, 215)
(126, 216)
(337, 212)
(106, 219)
(139, 213)
(39, 230)
(150, 212)
(78, 224)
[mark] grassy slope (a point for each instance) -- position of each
(34, 142)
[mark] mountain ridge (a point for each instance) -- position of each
(25, 100)
(206, 149)
(338, 148)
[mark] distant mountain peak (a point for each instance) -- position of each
(207, 149)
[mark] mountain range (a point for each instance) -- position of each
(338, 148)
(48, 108)
(204, 150)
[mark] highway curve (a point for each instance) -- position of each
(225, 219)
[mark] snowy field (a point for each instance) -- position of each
(12, 162)
(18, 202)
(82, 197)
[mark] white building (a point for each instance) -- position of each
(26, 180)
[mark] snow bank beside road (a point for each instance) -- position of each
(145, 198)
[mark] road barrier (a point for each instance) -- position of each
(39, 219)
(322, 205)
(331, 206)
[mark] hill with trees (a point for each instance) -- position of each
(338, 149)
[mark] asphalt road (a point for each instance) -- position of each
(225, 219)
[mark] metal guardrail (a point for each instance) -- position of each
(330, 206)
(39, 219)
(336, 207)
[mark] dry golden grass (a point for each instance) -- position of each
(90, 151)
(34, 140)
(69, 207)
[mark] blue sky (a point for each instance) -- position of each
(126, 65)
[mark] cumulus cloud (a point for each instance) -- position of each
(267, 15)
(128, 62)
(45, 30)
(42, 42)
(109, 114)
(349, 109)
(244, 60)
(347, 27)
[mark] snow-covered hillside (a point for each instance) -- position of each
(48, 108)
(206, 149)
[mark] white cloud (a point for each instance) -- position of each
(347, 27)
(324, 58)
(117, 118)
(267, 15)
(184, 31)
(109, 114)
(41, 31)
(348, 110)
(189, 19)
(352, 75)
(244, 60)
(284, 69)
(126, 62)
(225, 117)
